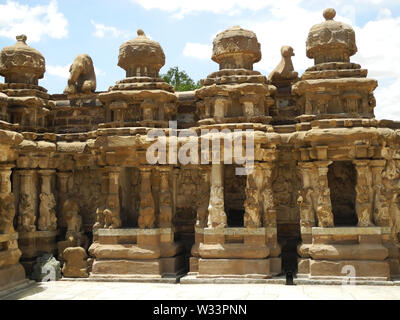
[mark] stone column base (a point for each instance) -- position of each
(34, 244)
(156, 268)
(363, 270)
(12, 276)
(137, 254)
(346, 253)
(235, 268)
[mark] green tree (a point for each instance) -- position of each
(180, 80)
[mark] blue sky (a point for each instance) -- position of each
(62, 29)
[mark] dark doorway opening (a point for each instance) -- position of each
(342, 177)
(235, 196)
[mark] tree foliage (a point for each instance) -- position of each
(180, 80)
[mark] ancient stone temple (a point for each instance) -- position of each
(141, 182)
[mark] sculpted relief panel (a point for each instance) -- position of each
(87, 191)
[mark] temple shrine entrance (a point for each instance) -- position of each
(342, 177)
(235, 195)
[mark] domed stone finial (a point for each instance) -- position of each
(22, 64)
(329, 14)
(331, 40)
(22, 38)
(141, 57)
(236, 48)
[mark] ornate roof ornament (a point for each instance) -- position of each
(331, 41)
(236, 48)
(22, 64)
(141, 57)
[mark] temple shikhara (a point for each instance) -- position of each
(79, 198)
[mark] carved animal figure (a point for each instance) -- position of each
(99, 219)
(47, 219)
(285, 70)
(82, 77)
(26, 218)
(111, 219)
(252, 216)
(7, 213)
(72, 216)
(75, 265)
(146, 212)
(325, 217)
(217, 217)
(165, 216)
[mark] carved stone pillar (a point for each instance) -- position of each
(165, 204)
(365, 193)
(47, 214)
(147, 216)
(175, 176)
(7, 209)
(324, 205)
(148, 106)
(26, 210)
(252, 204)
(63, 179)
(249, 103)
(112, 212)
(381, 213)
(221, 105)
(203, 199)
(305, 200)
(217, 217)
(267, 195)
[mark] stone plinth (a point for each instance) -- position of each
(33, 244)
(355, 252)
(12, 273)
(235, 253)
(136, 253)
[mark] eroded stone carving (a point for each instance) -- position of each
(100, 222)
(165, 215)
(72, 216)
(26, 217)
(7, 213)
(82, 77)
(75, 265)
(47, 219)
(147, 217)
(285, 70)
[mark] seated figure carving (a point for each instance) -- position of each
(82, 77)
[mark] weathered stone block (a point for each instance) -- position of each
(75, 265)
(234, 267)
(233, 251)
(363, 269)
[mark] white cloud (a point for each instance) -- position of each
(34, 21)
(180, 8)
(198, 51)
(58, 71)
(103, 31)
(63, 71)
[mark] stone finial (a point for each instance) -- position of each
(141, 57)
(236, 48)
(331, 41)
(22, 38)
(329, 14)
(22, 64)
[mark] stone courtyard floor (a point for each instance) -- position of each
(75, 290)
